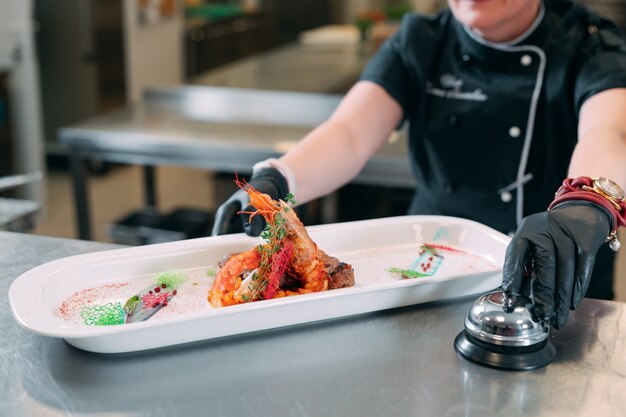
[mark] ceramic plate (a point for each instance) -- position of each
(48, 299)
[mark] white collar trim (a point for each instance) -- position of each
(515, 41)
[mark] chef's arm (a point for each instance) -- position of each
(336, 151)
(328, 157)
(601, 148)
(560, 245)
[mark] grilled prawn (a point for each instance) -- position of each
(288, 263)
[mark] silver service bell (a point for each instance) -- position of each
(501, 332)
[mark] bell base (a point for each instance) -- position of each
(504, 357)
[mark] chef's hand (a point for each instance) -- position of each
(268, 181)
(556, 251)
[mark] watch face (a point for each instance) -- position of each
(610, 187)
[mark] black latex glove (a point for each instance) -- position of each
(556, 251)
(269, 181)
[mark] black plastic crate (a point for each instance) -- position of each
(190, 223)
(133, 228)
(149, 226)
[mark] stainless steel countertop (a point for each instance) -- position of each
(393, 363)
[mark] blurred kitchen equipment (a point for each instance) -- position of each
(18, 215)
(17, 180)
(18, 60)
(81, 53)
(501, 332)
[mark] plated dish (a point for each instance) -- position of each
(466, 259)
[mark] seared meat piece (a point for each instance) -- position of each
(341, 273)
(341, 277)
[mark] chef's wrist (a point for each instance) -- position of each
(586, 196)
(282, 168)
(584, 189)
(269, 181)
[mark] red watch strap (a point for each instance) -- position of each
(571, 189)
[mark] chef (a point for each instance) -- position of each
(508, 102)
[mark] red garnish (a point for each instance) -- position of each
(442, 247)
(174, 292)
(279, 262)
(153, 300)
(163, 286)
(157, 289)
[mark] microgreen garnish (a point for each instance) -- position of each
(407, 273)
(171, 279)
(290, 199)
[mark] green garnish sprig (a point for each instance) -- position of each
(289, 198)
(273, 234)
(407, 273)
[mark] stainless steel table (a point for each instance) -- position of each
(392, 363)
(213, 128)
(314, 68)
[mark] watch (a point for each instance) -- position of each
(608, 189)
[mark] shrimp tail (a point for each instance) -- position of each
(263, 203)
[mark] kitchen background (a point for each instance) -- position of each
(64, 61)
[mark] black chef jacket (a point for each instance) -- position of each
(492, 127)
